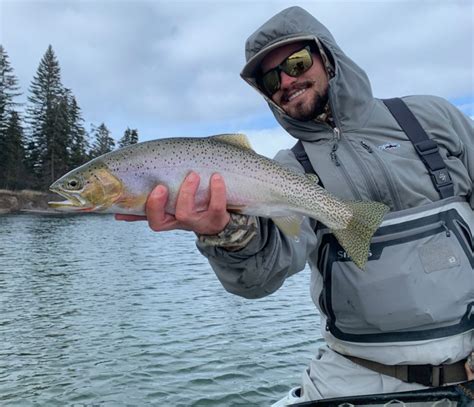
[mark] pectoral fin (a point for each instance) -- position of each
(129, 201)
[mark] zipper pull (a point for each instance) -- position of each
(335, 146)
(367, 147)
(448, 232)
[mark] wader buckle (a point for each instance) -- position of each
(428, 150)
(430, 376)
(427, 147)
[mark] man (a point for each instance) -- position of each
(412, 310)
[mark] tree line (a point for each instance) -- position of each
(44, 138)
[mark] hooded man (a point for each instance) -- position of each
(407, 322)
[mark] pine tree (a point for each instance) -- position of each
(129, 137)
(14, 175)
(47, 114)
(60, 148)
(78, 136)
(9, 89)
(103, 142)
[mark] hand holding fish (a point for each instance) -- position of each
(207, 222)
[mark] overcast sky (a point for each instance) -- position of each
(171, 68)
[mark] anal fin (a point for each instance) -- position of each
(289, 225)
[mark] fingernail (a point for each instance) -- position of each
(192, 177)
(217, 177)
(159, 191)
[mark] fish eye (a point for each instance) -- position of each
(74, 184)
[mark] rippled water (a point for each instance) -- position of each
(99, 312)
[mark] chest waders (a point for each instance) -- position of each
(419, 279)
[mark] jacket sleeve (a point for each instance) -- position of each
(261, 267)
(463, 127)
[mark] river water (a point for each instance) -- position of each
(106, 313)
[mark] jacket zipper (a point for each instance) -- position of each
(388, 181)
(418, 230)
(335, 160)
(371, 186)
(337, 136)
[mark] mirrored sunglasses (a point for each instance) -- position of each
(294, 65)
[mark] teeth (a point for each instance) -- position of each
(296, 94)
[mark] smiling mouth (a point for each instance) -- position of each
(296, 94)
(293, 94)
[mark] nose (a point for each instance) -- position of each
(286, 80)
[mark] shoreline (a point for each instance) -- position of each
(25, 201)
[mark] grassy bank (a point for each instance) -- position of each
(24, 200)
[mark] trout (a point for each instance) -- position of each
(120, 182)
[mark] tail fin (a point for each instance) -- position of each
(355, 239)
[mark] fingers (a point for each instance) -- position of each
(158, 219)
(156, 203)
(210, 221)
(217, 214)
(155, 209)
(185, 204)
(218, 200)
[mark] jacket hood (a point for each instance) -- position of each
(350, 94)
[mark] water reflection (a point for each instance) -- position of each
(98, 311)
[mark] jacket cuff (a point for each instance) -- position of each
(236, 235)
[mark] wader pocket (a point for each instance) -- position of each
(439, 255)
(418, 283)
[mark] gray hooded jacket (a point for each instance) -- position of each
(367, 157)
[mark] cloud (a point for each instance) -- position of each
(467, 108)
(172, 68)
(269, 141)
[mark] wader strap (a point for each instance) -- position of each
(302, 157)
(427, 375)
(426, 148)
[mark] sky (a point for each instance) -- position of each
(171, 68)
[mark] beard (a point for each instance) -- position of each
(307, 110)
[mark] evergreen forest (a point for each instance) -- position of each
(43, 138)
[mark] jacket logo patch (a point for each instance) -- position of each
(389, 146)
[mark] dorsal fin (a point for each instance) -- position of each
(239, 140)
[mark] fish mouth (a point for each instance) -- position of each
(73, 202)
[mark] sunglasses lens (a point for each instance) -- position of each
(298, 63)
(295, 65)
(271, 81)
